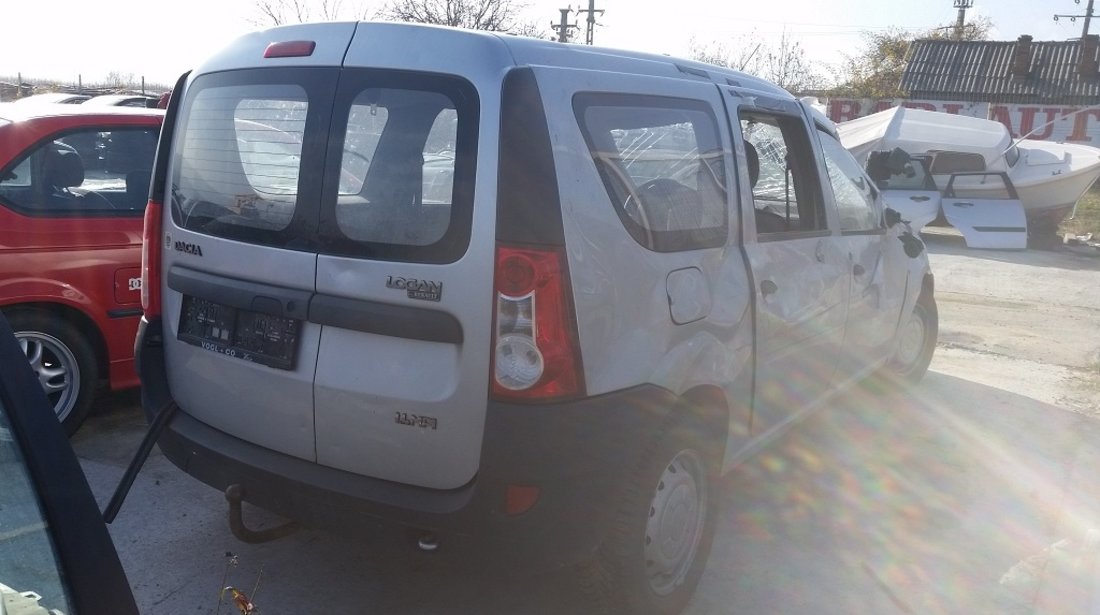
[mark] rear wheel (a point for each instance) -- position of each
(662, 535)
(916, 341)
(62, 359)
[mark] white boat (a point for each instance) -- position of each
(1049, 177)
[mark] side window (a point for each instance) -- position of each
(662, 164)
(915, 176)
(855, 198)
(786, 194)
(96, 172)
(944, 162)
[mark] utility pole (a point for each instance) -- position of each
(564, 28)
(591, 10)
(1087, 17)
(962, 5)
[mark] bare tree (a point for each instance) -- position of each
(280, 12)
(783, 63)
(493, 15)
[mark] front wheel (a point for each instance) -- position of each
(62, 359)
(916, 341)
(662, 535)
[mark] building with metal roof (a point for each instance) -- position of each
(1014, 72)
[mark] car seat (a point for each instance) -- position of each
(62, 169)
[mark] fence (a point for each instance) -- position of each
(12, 88)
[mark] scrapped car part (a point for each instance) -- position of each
(986, 209)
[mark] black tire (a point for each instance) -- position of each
(916, 342)
(630, 574)
(63, 360)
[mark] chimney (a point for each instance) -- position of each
(1021, 56)
(1087, 64)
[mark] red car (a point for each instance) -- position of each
(73, 187)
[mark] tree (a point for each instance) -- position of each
(876, 72)
(784, 63)
(281, 12)
(492, 15)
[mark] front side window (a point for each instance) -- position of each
(852, 190)
(662, 163)
(87, 172)
(782, 174)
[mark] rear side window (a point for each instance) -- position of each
(956, 162)
(663, 166)
(92, 171)
(239, 159)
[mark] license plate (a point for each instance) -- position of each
(242, 334)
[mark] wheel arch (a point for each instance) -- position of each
(706, 406)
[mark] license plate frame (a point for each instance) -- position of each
(239, 333)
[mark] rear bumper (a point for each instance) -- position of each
(578, 454)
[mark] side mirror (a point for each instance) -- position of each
(882, 164)
(892, 217)
(912, 245)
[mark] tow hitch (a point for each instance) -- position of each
(234, 494)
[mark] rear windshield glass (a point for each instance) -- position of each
(399, 191)
(353, 162)
(238, 159)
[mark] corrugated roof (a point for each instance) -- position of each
(981, 71)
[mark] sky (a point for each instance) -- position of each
(161, 40)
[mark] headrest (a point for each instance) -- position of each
(752, 160)
(63, 169)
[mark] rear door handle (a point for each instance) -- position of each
(963, 204)
(767, 288)
(919, 199)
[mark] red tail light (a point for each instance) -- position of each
(150, 259)
(536, 355)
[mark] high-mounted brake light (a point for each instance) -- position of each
(290, 49)
(536, 355)
(150, 259)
